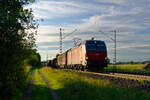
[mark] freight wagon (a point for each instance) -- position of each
(89, 55)
(53, 63)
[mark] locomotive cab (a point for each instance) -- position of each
(96, 54)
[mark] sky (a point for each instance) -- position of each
(98, 19)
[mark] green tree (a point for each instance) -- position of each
(132, 62)
(17, 31)
(34, 59)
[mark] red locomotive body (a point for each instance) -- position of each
(91, 55)
(96, 54)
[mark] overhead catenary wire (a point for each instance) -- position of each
(69, 34)
(61, 38)
(114, 40)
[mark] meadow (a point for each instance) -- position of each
(71, 86)
(131, 68)
(128, 66)
(68, 85)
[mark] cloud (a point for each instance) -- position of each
(135, 46)
(57, 9)
(50, 9)
(111, 1)
(129, 17)
(48, 48)
(48, 53)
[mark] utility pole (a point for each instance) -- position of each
(115, 58)
(60, 40)
(115, 42)
(115, 48)
(63, 37)
(47, 60)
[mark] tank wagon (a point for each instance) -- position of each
(89, 55)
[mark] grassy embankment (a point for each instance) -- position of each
(137, 68)
(70, 86)
(40, 90)
(24, 86)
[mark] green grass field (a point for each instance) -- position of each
(70, 86)
(128, 66)
(40, 90)
(137, 68)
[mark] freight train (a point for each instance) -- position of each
(89, 55)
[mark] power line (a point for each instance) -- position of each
(115, 46)
(69, 34)
(61, 38)
(107, 35)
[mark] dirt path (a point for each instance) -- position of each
(54, 95)
(27, 94)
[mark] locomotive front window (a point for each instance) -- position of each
(91, 47)
(95, 46)
(101, 47)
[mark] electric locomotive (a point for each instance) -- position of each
(89, 55)
(96, 54)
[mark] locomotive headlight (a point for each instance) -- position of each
(86, 57)
(107, 59)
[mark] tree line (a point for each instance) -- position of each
(17, 45)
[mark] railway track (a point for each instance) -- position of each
(123, 75)
(130, 72)
(116, 73)
(120, 79)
